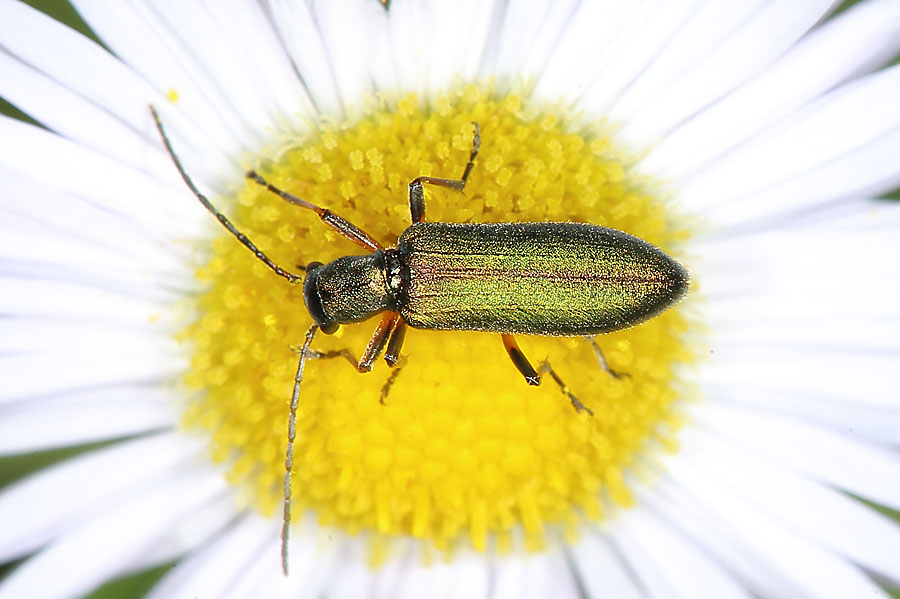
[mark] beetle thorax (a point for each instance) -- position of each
(394, 275)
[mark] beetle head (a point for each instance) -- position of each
(314, 302)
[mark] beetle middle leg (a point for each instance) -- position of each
(534, 377)
(417, 194)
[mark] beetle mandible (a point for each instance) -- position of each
(551, 279)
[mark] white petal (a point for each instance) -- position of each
(26, 335)
(812, 570)
(265, 64)
(458, 38)
(861, 422)
(407, 27)
(346, 29)
(42, 236)
(528, 33)
(140, 36)
(642, 39)
(108, 543)
(83, 416)
(312, 563)
(383, 65)
(353, 577)
(534, 576)
(678, 507)
(742, 55)
(81, 366)
(73, 61)
(29, 296)
(481, 21)
(445, 38)
(41, 98)
(52, 501)
(210, 38)
(852, 118)
(792, 279)
(221, 563)
(303, 40)
(465, 576)
(862, 377)
(839, 523)
(257, 575)
(859, 468)
(768, 312)
(82, 172)
(865, 36)
(574, 44)
(600, 569)
(69, 249)
(864, 171)
(666, 563)
(707, 27)
(194, 528)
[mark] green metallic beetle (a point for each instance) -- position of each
(554, 279)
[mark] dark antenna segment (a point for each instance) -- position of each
(215, 211)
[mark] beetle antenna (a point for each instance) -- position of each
(215, 212)
(289, 453)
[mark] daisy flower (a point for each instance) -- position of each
(743, 443)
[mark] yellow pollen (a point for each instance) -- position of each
(463, 450)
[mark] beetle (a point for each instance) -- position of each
(550, 279)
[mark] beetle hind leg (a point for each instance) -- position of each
(601, 359)
(534, 377)
(545, 368)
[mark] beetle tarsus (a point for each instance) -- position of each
(601, 359)
(545, 368)
(386, 388)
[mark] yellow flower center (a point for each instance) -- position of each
(463, 448)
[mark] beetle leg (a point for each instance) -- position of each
(520, 361)
(389, 324)
(386, 388)
(534, 377)
(339, 224)
(345, 353)
(393, 349)
(576, 403)
(416, 193)
(378, 341)
(602, 360)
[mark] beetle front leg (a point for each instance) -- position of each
(378, 341)
(533, 377)
(386, 330)
(417, 194)
(392, 355)
(386, 388)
